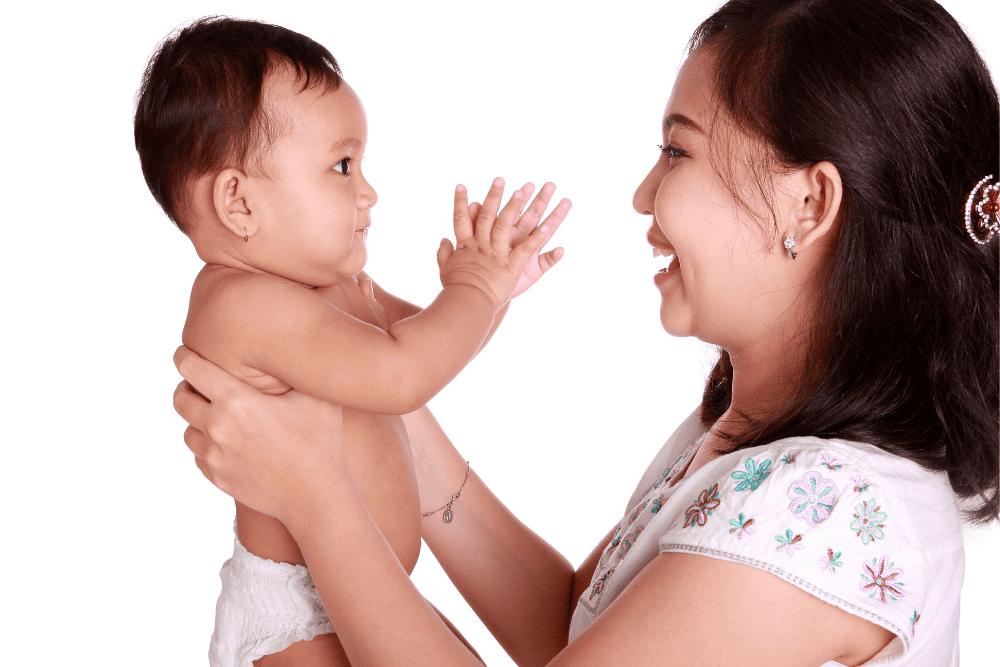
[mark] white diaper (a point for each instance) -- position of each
(264, 607)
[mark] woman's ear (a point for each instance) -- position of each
(230, 192)
(818, 192)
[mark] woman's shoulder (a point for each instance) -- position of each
(815, 479)
(868, 531)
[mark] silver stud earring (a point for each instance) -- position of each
(789, 244)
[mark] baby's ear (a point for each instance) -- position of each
(229, 196)
(820, 192)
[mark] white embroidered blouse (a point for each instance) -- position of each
(862, 529)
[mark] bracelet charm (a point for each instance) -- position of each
(448, 515)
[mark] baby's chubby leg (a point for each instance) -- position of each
(269, 612)
(269, 540)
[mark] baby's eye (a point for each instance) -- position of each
(343, 167)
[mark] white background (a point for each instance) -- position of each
(113, 538)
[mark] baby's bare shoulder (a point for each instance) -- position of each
(231, 297)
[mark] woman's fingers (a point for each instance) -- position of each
(190, 405)
(205, 377)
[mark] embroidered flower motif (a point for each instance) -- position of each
(663, 477)
(869, 521)
(611, 547)
(913, 623)
(789, 542)
(788, 458)
(657, 504)
(812, 498)
(831, 561)
(882, 580)
(702, 508)
(754, 475)
(635, 514)
(741, 526)
(628, 541)
(831, 462)
(860, 485)
(600, 583)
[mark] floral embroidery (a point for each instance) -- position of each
(831, 462)
(753, 476)
(611, 547)
(599, 585)
(789, 542)
(860, 485)
(741, 526)
(869, 521)
(666, 473)
(812, 498)
(831, 561)
(636, 513)
(788, 458)
(913, 622)
(657, 504)
(882, 580)
(628, 542)
(702, 508)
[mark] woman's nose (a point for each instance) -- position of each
(645, 194)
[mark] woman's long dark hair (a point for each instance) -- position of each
(904, 349)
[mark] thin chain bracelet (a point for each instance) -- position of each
(447, 508)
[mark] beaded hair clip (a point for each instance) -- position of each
(985, 199)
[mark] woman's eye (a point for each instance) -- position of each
(672, 151)
(343, 167)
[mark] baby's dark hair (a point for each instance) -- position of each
(199, 107)
(904, 348)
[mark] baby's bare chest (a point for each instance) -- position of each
(378, 453)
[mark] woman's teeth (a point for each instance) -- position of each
(657, 252)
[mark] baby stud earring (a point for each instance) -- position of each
(246, 237)
(789, 244)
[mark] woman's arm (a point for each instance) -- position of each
(282, 456)
(486, 549)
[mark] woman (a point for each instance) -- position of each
(827, 189)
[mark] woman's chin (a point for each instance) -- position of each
(675, 323)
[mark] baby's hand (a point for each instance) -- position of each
(538, 263)
(494, 251)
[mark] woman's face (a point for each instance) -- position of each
(728, 282)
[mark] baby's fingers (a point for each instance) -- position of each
(463, 221)
(540, 235)
(488, 212)
(504, 225)
(534, 213)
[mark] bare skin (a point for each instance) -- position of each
(283, 302)
(730, 283)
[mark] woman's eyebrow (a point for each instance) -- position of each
(681, 119)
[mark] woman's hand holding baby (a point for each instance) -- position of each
(269, 452)
(498, 253)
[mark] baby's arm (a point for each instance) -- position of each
(395, 308)
(289, 332)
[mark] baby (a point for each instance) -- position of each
(252, 143)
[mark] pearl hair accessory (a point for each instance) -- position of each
(985, 199)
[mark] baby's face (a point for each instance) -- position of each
(314, 204)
